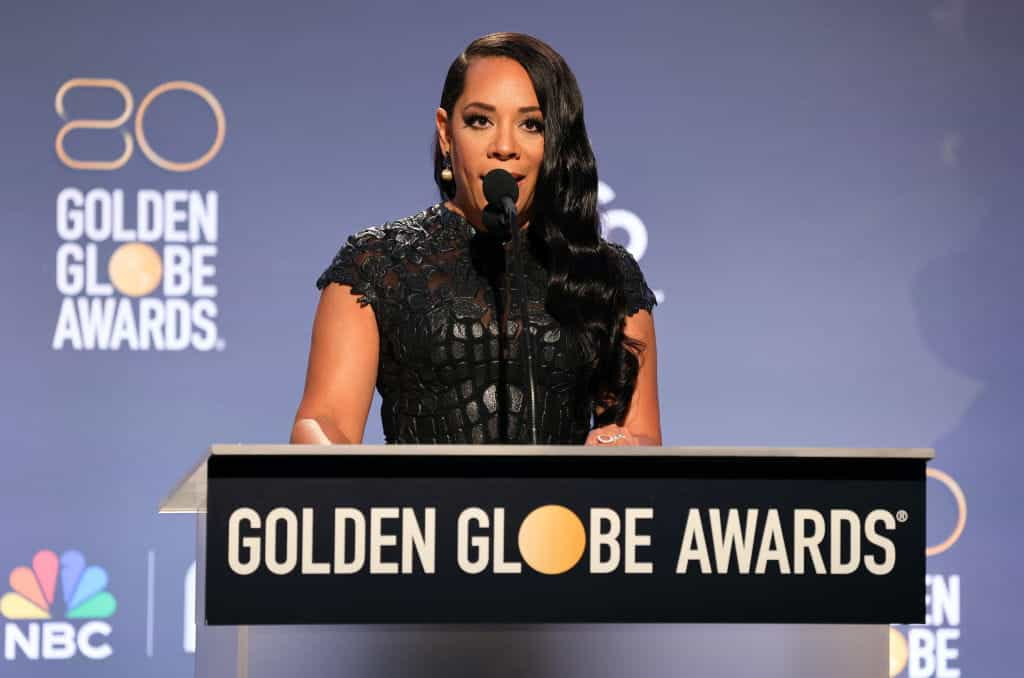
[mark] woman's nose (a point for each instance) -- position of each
(503, 145)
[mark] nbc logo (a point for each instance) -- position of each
(29, 607)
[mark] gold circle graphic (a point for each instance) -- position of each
(218, 114)
(135, 269)
(898, 652)
(961, 511)
(552, 539)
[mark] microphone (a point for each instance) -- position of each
(495, 220)
(502, 191)
(500, 188)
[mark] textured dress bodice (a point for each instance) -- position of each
(450, 366)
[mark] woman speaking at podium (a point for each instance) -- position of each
(422, 306)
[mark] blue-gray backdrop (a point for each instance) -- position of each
(825, 197)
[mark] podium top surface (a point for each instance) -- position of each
(189, 495)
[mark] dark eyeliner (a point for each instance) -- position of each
(539, 123)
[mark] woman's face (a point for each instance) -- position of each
(495, 124)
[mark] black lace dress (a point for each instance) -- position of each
(446, 372)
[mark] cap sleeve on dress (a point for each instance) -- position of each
(638, 295)
(361, 263)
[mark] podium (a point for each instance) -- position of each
(405, 560)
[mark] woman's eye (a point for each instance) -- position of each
(538, 125)
(534, 125)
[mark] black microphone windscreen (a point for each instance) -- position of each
(499, 184)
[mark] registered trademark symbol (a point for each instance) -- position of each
(220, 345)
(901, 516)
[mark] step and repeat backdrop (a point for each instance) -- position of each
(824, 196)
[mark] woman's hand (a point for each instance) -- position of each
(613, 436)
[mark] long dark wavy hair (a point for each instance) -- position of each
(585, 291)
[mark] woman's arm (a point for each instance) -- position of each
(643, 422)
(342, 371)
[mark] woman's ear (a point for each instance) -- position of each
(443, 135)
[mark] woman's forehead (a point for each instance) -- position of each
(500, 82)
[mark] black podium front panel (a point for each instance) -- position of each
(536, 539)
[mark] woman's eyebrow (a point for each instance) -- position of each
(488, 107)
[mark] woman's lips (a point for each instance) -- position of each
(517, 177)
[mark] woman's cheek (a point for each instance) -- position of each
(527, 196)
(473, 192)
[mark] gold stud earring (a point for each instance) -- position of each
(446, 168)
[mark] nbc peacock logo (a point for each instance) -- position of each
(32, 605)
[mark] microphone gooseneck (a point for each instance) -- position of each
(502, 191)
